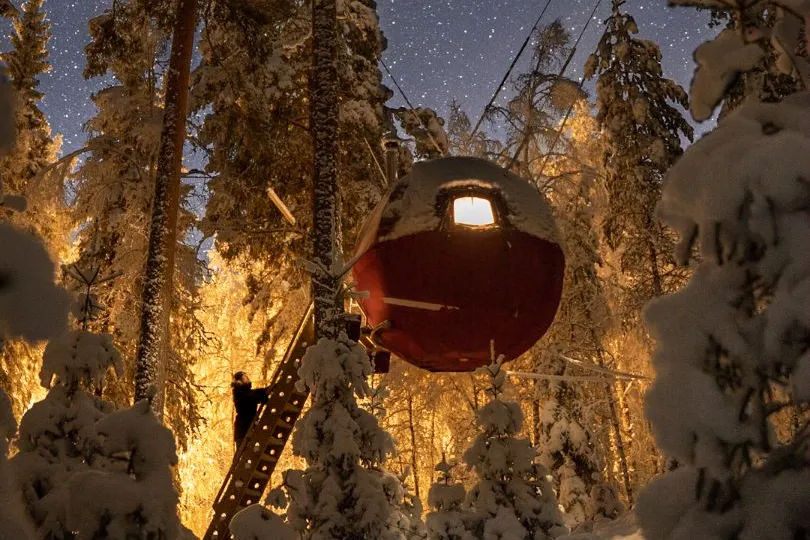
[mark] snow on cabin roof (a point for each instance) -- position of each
(411, 204)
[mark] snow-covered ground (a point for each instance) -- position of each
(623, 528)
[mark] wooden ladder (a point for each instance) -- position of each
(259, 452)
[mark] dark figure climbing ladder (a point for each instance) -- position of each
(258, 454)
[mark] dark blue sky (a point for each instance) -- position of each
(438, 49)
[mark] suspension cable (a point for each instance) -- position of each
(411, 107)
(559, 76)
(509, 70)
(562, 125)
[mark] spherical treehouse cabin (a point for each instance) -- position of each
(458, 254)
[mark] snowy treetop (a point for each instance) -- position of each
(741, 194)
(757, 160)
(140, 497)
(31, 306)
(722, 60)
(257, 523)
(80, 357)
(415, 203)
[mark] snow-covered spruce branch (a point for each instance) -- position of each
(733, 353)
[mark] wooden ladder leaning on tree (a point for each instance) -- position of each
(257, 456)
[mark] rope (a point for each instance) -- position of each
(411, 107)
(509, 71)
(563, 378)
(377, 161)
(598, 369)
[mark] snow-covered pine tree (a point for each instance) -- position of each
(114, 188)
(56, 434)
(13, 522)
(132, 495)
(606, 504)
(345, 492)
(512, 498)
(642, 127)
(637, 108)
(566, 449)
(26, 287)
(257, 137)
(250, 85)
(732, 347)
(767, 80)
(415, 528)
(449, 518)
(566, 422)
(84, 470)
(21, 173)
(22, 169)
(257, 522)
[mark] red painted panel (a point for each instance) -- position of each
(498, 284)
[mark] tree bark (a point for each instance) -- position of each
(617, 433)
(324, 127)
(615, 421)
(414, 460)
(150, 369)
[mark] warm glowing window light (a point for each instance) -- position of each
(473, 211)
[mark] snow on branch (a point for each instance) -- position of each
(732, 346)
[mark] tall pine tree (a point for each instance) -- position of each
(114, 188)
(732, 352)
(23, 172)
(566, 420)
(250, 91)
(35, 147)
(637, 109)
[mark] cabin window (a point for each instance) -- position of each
(473, 212)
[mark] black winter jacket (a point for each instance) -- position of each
(246, 401)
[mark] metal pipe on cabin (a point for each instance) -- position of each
(391, 159)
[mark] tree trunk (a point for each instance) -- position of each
(617, 432)
(324, 128)
(414, 460)
(658, 289)
(150, 369)
(615, 421)
(535, 412)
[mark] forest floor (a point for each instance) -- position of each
(624, 528)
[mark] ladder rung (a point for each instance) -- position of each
(274, 441)
(282, 424)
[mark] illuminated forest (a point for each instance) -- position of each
(613, 343)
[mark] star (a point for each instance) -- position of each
(439, 49)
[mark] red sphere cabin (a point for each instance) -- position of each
(460, 253)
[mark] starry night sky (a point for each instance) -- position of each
(437, 49)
